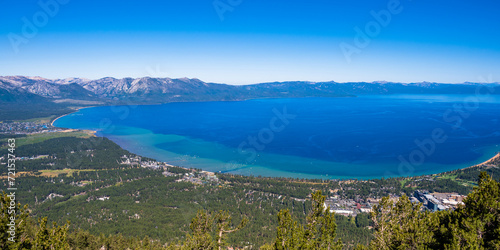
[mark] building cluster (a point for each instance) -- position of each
(52, 196)
(153, 164)
(100, 198)
(194, 176)
(350, 207)
(437, 201)
(26, 128)
(26, 158)
(432, 202)
(200, 178)
(131, 160)
(103, 198)
(138, 162)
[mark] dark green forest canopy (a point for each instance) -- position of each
(143, 202)
(399, 224)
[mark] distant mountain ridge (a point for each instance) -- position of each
(160, 90)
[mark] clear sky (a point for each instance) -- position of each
(251, 41)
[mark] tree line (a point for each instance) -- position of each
(398, 224)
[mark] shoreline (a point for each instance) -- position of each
(275, 173)
(76, 110)
(487, 162)
(92, 132)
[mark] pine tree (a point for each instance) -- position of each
(477, 223)
(204, 225)
(289, 235)
(223, 224)
(8, 210)
(402, 225)
(51, 238)
(318, 233)
(201, 239)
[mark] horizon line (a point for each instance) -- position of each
(195, 78)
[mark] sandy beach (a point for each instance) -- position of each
(488, 162)
(90, 132)
(52, 122)
(76, 110)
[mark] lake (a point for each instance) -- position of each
(331, 138)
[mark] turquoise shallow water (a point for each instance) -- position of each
(363, 137)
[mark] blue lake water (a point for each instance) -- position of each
(362, 137)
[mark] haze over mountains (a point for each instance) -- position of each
(108, 90)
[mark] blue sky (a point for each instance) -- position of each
(251, 41)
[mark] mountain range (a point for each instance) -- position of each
(148, 90)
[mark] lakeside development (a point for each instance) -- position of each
(250, 125)
(490, 162)
(86, 178)
(356, 151)
(241, 171)
(67, 173)
(63, 132)
(38, 136)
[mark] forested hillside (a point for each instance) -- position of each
(67, 183)
(82, 179)
(398, 225)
